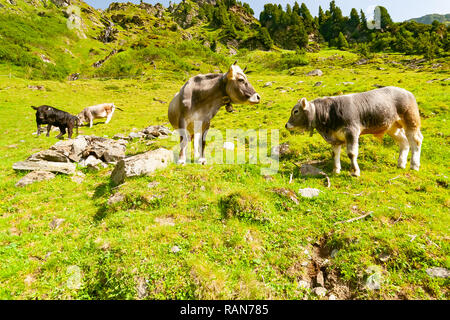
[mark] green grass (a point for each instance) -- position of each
(238, 238)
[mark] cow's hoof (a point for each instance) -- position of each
(401, 166)
(415, 168)
(202, 161)
(336, 171)
(356, 174)
(182, 162)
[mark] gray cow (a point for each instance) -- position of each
(199, 100)
(342, 119)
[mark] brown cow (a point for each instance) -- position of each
(199, 100)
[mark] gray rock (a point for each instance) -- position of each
(115, 198)
(318, 84)
(320, 291)
(373, 281)
(56, 223)
(142, 164)
(302, 284)
(280, 150)
(309, 192)
(175, 249)
(35, 176)
(319, 279)
(49, 155)
(66, 168)
(120, 136)
(438, 272)
(316, 72)
(136, 135)
(92, 162)
(309, 170)
(268, 84)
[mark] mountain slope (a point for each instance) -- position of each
(429, 18)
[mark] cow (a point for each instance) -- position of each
(342, 119)
(199, 100)
(55, 117)
(105, 110)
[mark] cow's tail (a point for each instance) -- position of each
(77, 123)
(119, 109)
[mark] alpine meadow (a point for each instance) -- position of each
(266, 217)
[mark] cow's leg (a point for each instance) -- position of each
(38, 129)
(184, 141)
(63, 132)
(49, 127)
(398, 134)
(415, 139)
(197, 144)
(91, 121)
(202, 159)
(70, 131)
(108, 118)
(352, 138)
(337, 158)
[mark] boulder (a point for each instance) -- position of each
(35, 176)
(49, 155)
(141, 164)
(66, 168)
(438, 272)
(316, 72)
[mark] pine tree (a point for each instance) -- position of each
(341, 42)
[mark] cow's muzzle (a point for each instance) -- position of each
(254, 99)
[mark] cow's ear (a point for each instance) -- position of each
(235, 63)
(245, 69)
(304, 103)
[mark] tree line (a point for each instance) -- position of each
(294, 28)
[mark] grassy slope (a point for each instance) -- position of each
(257, 254)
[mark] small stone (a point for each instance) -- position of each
(320, 291)
(309, 192)
(316, 72)
(56, 223)
(438, 272)
(319, 279)
(374, 279)
(318, 84)
(332, 297)
(268, 84)
(115, 198)
(152, 184)
(175, 249)
(302, 284)
(384, 257)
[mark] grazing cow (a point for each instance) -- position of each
(342, 119)
(89, 114)
(55, 117)
(200, 99)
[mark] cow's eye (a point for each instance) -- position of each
(241, 80)
(296, 112)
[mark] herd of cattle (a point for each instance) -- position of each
(339, 120)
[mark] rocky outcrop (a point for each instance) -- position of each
(60, 167)
(141, 164)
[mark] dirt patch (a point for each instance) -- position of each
(320, 274)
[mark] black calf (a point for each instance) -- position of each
(54, 117)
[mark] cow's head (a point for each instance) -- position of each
(81, 118)
(302, 116)
(42, 112)
(238, 87)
